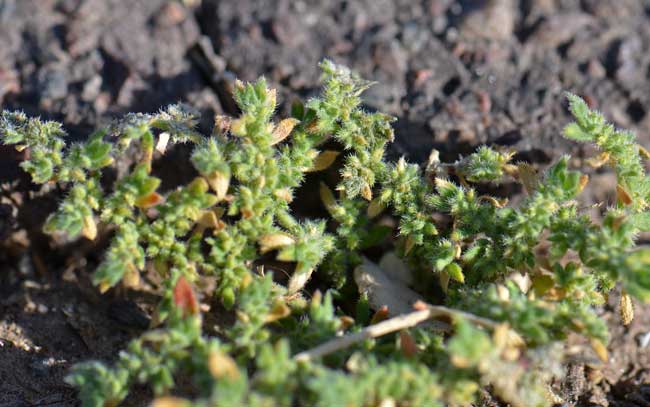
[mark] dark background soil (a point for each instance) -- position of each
(457, 74)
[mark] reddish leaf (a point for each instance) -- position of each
(185, 298)
(380, 315)
(407, 343)
(149, 200)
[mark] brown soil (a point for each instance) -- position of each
(457, 74)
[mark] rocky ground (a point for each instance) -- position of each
(456, 74)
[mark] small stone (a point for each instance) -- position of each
(7, 10)
(53, 84)
(171, 14)
(495, 20)
(91, 88)
(559, 28)
(644, 340)
(595, 69)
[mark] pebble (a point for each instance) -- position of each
(53, 84)
(644, 340)
(626, 59)
(171, 14)
(558, 29)
(7, 10)
(495, 20)
(92, 88)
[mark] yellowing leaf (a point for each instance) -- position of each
(599, 160)
(149, 200)
(622, 196)
(284, 194)
(375, 208)
(219, 182)
(323, 160)
(89, 230)
(273, 241)
(366, 192)
(584, 180)
(104, 286)
(169, 401)
(131, 278)
(541, 284)
(409, 245)
(528, 177)
(222, 366)
(283, 129)
(327, 196)
(644, 153)
(600, 349)
(444, 281)
(280, 310)
(626, 309)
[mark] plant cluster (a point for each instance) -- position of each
(516, 279)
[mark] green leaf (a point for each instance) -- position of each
(640, 221)
(376, 235)
(455, 272)
(579, 109)
(573, 131)
(469, 345)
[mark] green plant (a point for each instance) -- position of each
(512, 289)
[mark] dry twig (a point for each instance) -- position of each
(392, 325)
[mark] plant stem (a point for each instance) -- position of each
(392, 325)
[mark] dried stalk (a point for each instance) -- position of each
(392, 325)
